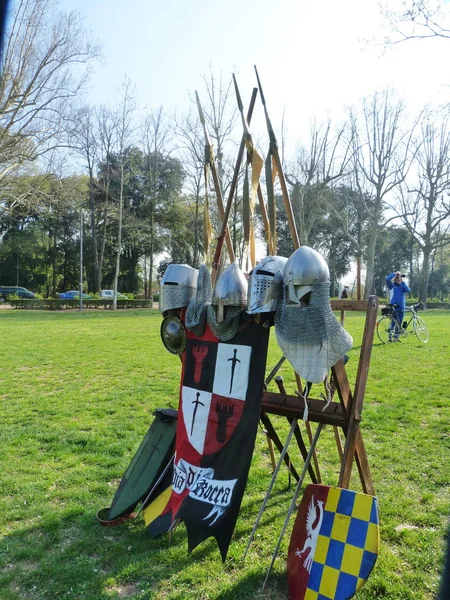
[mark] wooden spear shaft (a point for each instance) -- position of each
(276, 156)
(233, 185)
(222, 211)
(286, 199)
(250, 161)
(265, 219)
(217, 187)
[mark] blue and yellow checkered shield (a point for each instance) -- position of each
(334, 544)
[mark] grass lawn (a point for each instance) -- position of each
(77, 392)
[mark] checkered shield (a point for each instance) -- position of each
(334, 544)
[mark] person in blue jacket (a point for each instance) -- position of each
(397, 293)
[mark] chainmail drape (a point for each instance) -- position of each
(201, 311)
(311, 337)
(310, 324)
(198, 306)
(230, 325)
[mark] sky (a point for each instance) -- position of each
(314, 57)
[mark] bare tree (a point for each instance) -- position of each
(417, 19)
(221, 114)
(62, 197)
(424, 206)
(107, 133)
(322, 163)
(125, 112)
(41, 74)
(381, 161)
(156, 132)
(84, 140)
(192, 150)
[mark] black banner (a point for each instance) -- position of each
(230, 390)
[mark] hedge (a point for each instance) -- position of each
(60, 304)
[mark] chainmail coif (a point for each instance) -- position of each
(228, 328)
(200, 311)
(309, 324)
(310, 337)
(198, 306)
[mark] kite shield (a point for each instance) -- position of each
(334, 544)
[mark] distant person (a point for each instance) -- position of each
(397, 293)
(344, 294)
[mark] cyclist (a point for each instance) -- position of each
(397, 292)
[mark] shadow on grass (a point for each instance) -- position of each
(250, 587)
(72, 556)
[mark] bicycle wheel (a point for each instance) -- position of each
(420, 329)
(383, 325)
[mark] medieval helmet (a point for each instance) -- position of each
(231, 288)
(177, 287)
(265, 285)
(304, 268)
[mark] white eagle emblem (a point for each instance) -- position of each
(313, 525)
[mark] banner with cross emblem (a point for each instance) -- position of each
(334, 544)
(220, 398)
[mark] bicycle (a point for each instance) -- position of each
(389, 327)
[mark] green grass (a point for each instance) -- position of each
(77, 392)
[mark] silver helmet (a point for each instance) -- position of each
(177, 287)
(304, 268)
(231, 288)
(265, 285)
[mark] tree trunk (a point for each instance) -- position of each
(103, 240)
(358, 277)
(411, 248)
(372, 240)
(102, 250)
(150, 270)
(93, 229)
(150, 273)
(145, 277)
(54, 267)
(424, 275)
(119, 239)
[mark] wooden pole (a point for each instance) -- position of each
(265, 218)
(309, 432)
(358, 398)
(220, 239)
(276, 156)
(218, 189)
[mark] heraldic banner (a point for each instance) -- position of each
(219, 407)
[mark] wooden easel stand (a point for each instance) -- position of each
(346, 413)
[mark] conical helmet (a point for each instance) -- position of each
(177, 287)
(231, 288)
(304, 268)
(265, 285)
